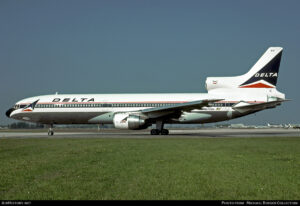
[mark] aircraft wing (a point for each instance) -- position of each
(245, 107)
(166, 110)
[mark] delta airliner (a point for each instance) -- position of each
(227, 98)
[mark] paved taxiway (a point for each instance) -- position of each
(193, 133)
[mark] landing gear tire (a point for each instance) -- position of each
(164, 132)
(159, 128)
(155, 132)
(50, 133)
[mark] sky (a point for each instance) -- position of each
(144, 46)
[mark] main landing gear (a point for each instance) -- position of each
(50, 131)
(159, 129)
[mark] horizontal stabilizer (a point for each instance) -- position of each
(246, 107)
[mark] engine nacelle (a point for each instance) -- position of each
(128, 121)
(212, 83)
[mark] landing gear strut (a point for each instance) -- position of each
(159, 129)
(50, 131)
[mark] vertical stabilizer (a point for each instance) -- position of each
(264, 73)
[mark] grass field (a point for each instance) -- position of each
(150, 169)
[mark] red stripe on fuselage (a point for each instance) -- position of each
(27, 110)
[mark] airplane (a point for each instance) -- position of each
(226, 98)
(293, 126)
(275, 125)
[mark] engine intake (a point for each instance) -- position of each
(128, 121)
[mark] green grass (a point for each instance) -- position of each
(150, 169)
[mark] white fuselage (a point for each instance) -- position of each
(91, 108)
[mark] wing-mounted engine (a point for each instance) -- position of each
(129, 121)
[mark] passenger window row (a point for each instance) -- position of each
(89, 105)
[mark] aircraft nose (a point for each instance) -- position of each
(8, 112)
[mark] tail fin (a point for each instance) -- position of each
(264, 73)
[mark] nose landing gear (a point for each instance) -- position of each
(51, 131)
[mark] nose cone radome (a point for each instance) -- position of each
(8, 112)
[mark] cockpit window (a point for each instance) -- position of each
(18, 106)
